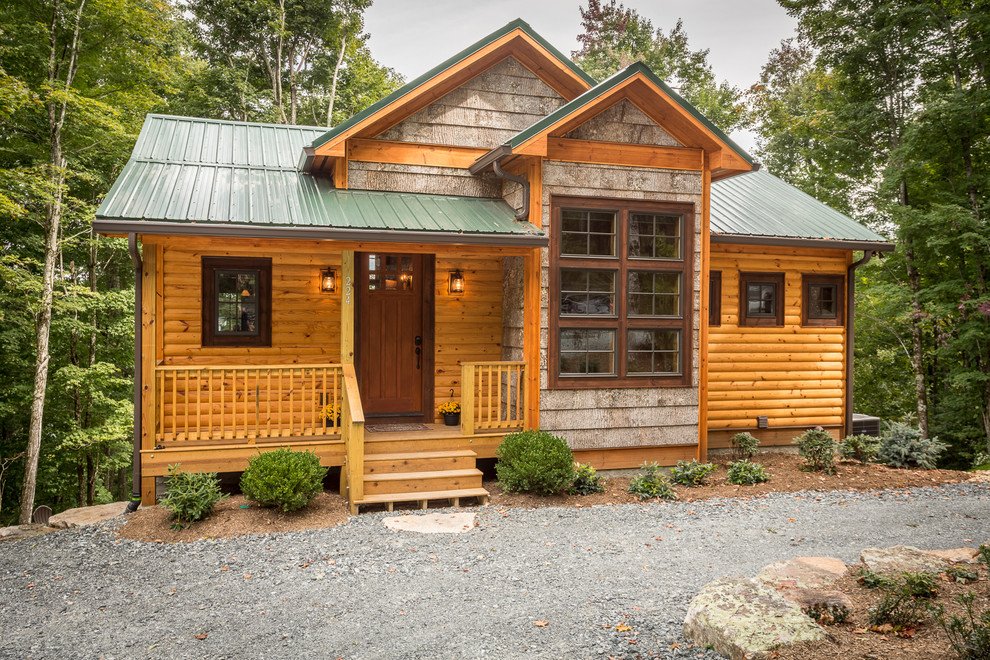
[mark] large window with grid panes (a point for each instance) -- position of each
(621, 293)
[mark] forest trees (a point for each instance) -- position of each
(888, 105)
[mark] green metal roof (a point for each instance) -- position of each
(608, 84)
(443, 66)
(759, 205)
(188, 172)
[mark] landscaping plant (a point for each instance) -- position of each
(745, 473)
(652, 484)
(534, 462)
(827, 615)
(968, 634)
(744, 445)
(587, 481)
(691, 473)
(961, 575)
(862, 448)
(191, 495)
(903, 447)
(283, 478)
(904, 602)
(818, 449)
(871, 579)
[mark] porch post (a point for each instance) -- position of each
(532, 269)
(347, 307)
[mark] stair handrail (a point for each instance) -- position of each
(352, 429)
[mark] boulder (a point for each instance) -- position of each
(745, 619)
(86, 515)
(805, 598)
(18, 532)
(803, 573)
(432, 523)
(908, 558)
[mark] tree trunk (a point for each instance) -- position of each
(336, 74)
(917, 345)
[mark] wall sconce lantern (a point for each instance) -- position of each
(328, 280)
(456, 283)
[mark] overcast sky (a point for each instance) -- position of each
(412, 36)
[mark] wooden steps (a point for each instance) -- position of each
(420, 476)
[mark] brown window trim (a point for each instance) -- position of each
(715, 298)
(620, 322)
(761, 321)
(839, 281)
(264, 266)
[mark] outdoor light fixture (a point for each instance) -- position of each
(328, 280)
(456, 283)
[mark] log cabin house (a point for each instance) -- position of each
(594, 259)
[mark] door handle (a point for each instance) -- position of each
(418, 351)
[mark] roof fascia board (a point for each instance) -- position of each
(515, 30)
(104, 226)
(785, 241)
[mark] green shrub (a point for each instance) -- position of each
(862, 448)
(691, 473)
(745, 473)
(903, 601)
(903, 447)
(191, 495)
(872, 580)
(827, 615)
(652, 484)
(968, 634)
(818, 449)
(744, 445)
(587, 481)
(283, 478)
(534, 462)
(961, 575)
(984, 553)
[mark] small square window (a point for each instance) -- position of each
(653, 352)
(587, 233)
(236, 301)
(654, 236)
(761, 299)
(823, 300)
(587, 351)
(586, 292)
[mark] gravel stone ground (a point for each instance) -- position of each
(363, 591)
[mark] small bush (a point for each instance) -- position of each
(961, 575)
(691, 473)
(745, 473)
(903, 447)
(827, 615)
(862, 448)
(744, 445)
(903, 601)
(818, 449)
(872, 580)
(984, 553)
(587, 481)
(534, 462)
(652, 484)
(283, 478)
(968, 634)
(191, 495)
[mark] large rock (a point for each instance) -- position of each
(18, 532)
(908, 558)
(745, 619)
(86, 515)
(803, 573)
(806, 598)
(433, 523)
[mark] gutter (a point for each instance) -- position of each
(494, 159)
(787, 241)
(132, 247)
(850, 335)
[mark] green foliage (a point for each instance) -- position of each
(745, 473)
(652, 484)
(691, 473)
(903, 447)
(534, 462)
(871, 579)
(191, 495)
(283, 478)
(744, 445)
(818, 449)
(984, 554)
(961, 575)
(903, 601)
(827, 615)
(968, 634)
(587, 481)
(862, 448)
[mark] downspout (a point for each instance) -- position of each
(850, 335)
(132, 247)
(521, 216)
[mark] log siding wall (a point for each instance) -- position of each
(794, 375)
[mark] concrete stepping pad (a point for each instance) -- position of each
(432, 523)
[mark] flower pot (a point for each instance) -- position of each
(452, 419)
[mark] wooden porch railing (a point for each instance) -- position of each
(493, 396)
(352, 430)
(247, 402)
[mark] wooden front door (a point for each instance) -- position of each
(395, 335)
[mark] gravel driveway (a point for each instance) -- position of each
(363, 591)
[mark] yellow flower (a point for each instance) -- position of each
(450, 408)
